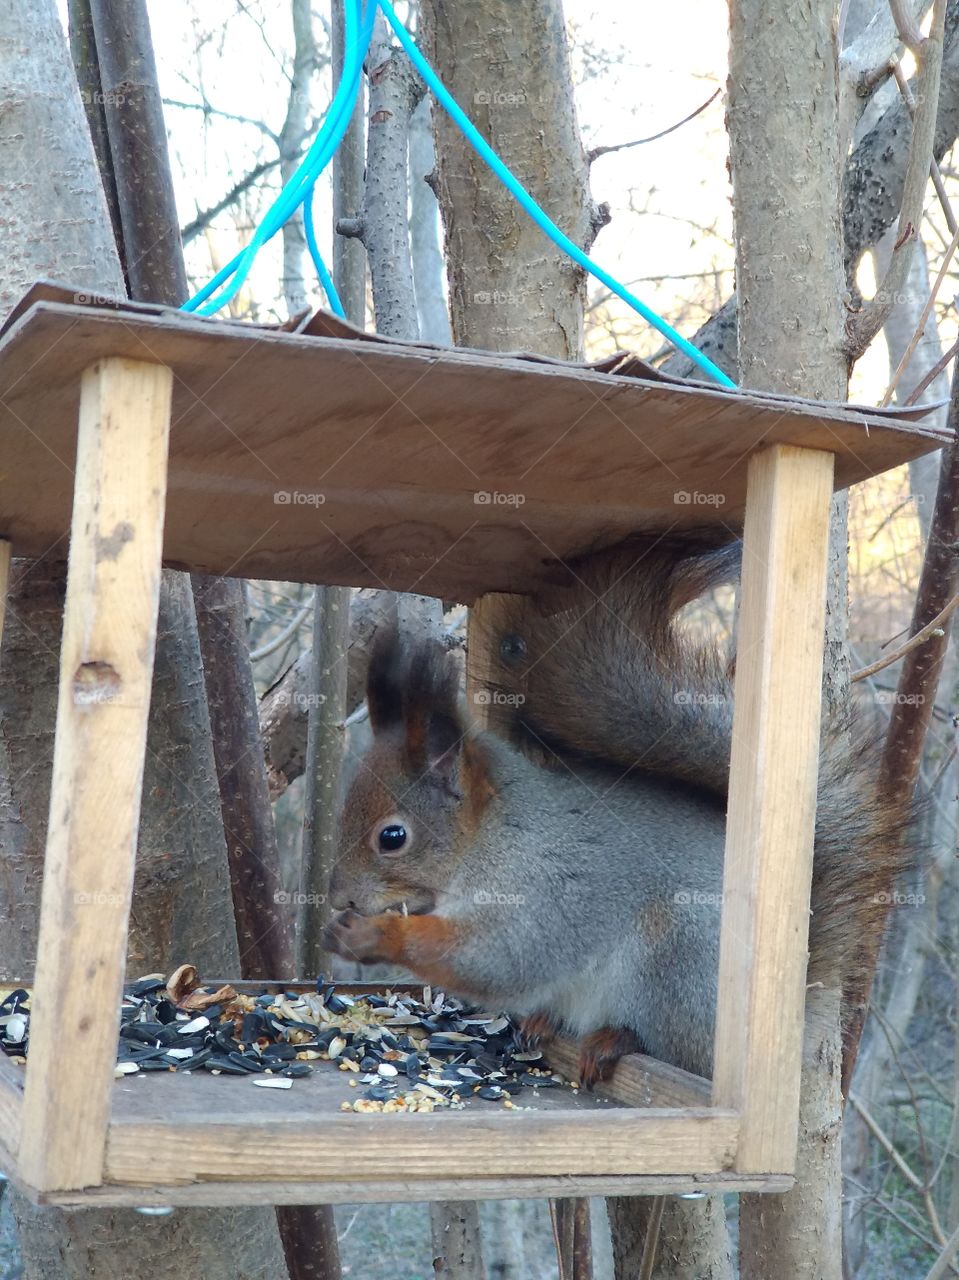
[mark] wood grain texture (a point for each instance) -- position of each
(772, 802)
(5, 550)
(637, 1081)
(383, 450)
(109, 634)
(184, 1148)
(11, 1104)
(405, 1191)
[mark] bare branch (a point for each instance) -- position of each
(596, 152)
(863, 327)
(929, 631)
(933, 374)
(906, 25)
(222, 115)
(206, 216)
(934, 171)
(920, 327)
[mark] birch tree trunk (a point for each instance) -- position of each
(783, 114)
(57, 225)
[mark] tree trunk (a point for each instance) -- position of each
(783, 118)
(510, 287)
(182, 908)
(427, 251)
(291, 138)
(456, 1241)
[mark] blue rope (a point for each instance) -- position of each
(526, 201)
(299, 190)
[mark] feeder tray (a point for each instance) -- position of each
(326, 456)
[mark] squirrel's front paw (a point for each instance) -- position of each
(355, 937)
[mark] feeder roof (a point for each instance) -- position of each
(326, 455)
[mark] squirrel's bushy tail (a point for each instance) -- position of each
(601, 671)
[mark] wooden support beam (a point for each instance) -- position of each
(11, 1104)
(4, 580)
(772, 802)
(106, 665)
(404, 1190)
(193, 1147)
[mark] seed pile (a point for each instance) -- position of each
(406, 1053)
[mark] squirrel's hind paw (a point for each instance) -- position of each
(601, 1050)
(536, 1029)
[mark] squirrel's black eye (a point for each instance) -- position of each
(512, 648)
(393, 837)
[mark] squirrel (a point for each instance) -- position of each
(571, 872)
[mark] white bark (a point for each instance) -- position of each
(425, 232)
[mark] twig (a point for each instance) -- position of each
(224, 115)
(288, 631)
(863, 327)
(945, 1260)
(921, 325)
(874, 1128)
(932, 375)
(651, 1243)
(906, 25)
(933, 628)
(596, 152)
(934, 171)
(206, 216)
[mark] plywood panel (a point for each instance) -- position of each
(383, 449)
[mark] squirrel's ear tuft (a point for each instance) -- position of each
(385, 681)
(435, 728)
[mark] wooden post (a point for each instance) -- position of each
(106, 664)
(772, 802)
(4, 580)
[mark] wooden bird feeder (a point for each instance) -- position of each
(133, 437)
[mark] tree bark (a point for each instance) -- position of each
(783, 115)
(456, 1241)
(58, 225)
(872, 186)
(509, 286)
(427, 252)
(291, 138)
